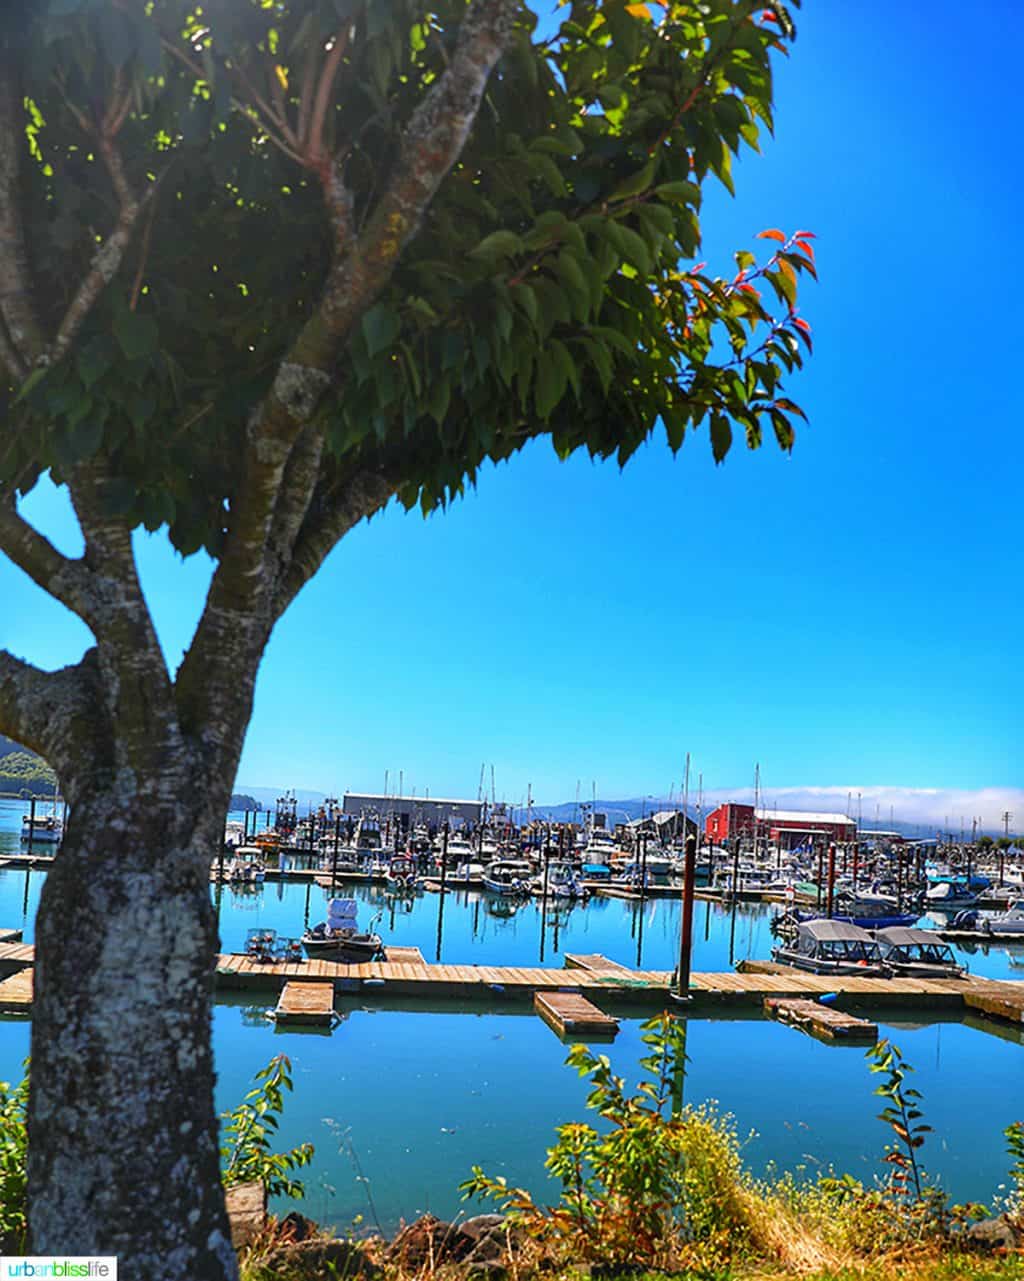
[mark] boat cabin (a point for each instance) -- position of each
(831, 947)
(918, 952)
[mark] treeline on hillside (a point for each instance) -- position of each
(23, 772)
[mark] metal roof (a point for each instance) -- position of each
(803, 816)
(378, 798)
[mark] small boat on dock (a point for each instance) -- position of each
(338, 939)
(918, 953)
(831, 947)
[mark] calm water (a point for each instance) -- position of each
(400, 1102)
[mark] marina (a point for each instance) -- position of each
(445, 1021)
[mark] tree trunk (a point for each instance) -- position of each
(123, 1136)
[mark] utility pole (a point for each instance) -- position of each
(1006, 816)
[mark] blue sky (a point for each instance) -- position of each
(849, 616)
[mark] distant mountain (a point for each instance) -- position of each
(265, 798)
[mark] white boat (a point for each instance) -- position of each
(561, 881)
(922, 954)
(401, 877)
(508, 876)
(45, 830)
(1010, 922)
(942, 895)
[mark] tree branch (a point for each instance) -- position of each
(108, 258)
(326, 523)
(245, 586)
(23, 331)
(57, 714)
(65, 580)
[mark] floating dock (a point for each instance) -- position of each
(306, 1004)
(820, 1020)
(595, 963)
(569, 1013)
(16, 993)
(406, 973)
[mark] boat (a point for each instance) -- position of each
(45, 829)
(560, 881)
(508, 876)
(948, 894)
(918, 953)
(831, 947)
(246, 868)
(338, 939)
(1010, 922)
(401, 876)
(597, 872)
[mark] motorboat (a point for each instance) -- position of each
(338, 939)
(401, 876)
(826, 946)
(1008, 923)
(246, 868)
(949, 895)
(508, 876)
(45, 829)
(918, 953)
(560, 880)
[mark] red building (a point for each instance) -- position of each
(786, 828)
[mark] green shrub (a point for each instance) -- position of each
(13, 1165)
(247, 1133)
(655, 1179)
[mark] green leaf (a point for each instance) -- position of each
(381, 326)
(499, 244)
(630, 245)
(136, 332)
(636, 182)
(721, 436)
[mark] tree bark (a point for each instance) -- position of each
(123, 1135)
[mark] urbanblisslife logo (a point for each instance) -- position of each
(102, 1268)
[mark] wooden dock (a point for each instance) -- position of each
(306, 1004)
(820, 1020)
(404, 955)
(570, 1013)
(406, 973)
(16, 993)
(595, 963)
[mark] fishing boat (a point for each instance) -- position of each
(508, 876)
(918, 953)
(338, 939)
(1009, 923)
(831, 947)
